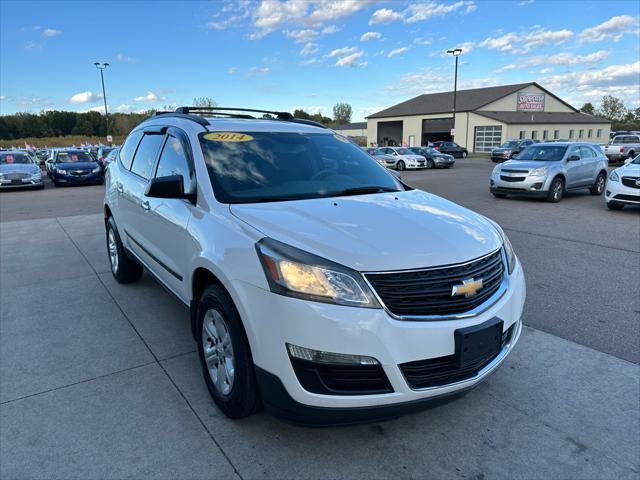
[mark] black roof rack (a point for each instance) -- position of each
(195, 114)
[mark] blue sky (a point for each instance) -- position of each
(283, 54)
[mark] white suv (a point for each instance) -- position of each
(281, 235)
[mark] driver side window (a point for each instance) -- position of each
(574, 151)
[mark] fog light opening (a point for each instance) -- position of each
(319, 356)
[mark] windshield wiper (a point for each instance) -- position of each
(364, 191)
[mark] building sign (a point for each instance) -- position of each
(530, 102)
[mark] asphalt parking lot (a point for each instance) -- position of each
(100, 380)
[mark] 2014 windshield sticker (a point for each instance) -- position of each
(228, 137)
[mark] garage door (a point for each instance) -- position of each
(487, 138)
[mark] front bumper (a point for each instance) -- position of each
(76, 179)
(23, 183)
(444, 162)
(358, 331)
(529, 186)
(616, 192)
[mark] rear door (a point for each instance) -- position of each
(589, 164)
(133, 183)
(164, 226)
(575, 173)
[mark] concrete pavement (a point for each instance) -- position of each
(100, 380)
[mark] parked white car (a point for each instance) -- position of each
(405, 158)
(623, 185)
(282, 238)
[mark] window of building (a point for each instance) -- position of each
(599, 133)
(545, 134)
(173, 161)
(581, 133)
(534, 134)
(522, 134)
(556, 134)
(590, 133)
(570, 133)
(487, 138)
(146, 155)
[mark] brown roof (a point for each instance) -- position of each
(542, 117)
(466, 101)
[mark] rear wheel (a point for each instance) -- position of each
(400, 165)
(598, 186)
(631, 155)
(464, 154)
(614, 206)
(556, 190)
(225, 355)
(123, 268)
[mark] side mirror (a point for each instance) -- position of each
(573, 158)
(166, 187)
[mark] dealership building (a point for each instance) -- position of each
(485, 118)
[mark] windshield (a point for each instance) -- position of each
(267, 166)
(509, 145)
(542, 153)
(73, 157)
(11, 158)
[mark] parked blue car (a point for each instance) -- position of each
(73, 167)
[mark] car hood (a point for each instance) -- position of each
(412, 156)
(442, 155)
(630, 170)
(386, 231)
(527, 165)
(19, 168)
(76, 165)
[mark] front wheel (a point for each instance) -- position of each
(225, 356)
(464, 155)
(556, 190)
(400, 165)
(598, 186)
(430, 164)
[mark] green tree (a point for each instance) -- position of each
(342, 113)
(299, 113)
(588, 108)
(612, 108)
(204, 102)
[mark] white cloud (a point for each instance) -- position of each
(232, 70)
(432, 81)
(309, 48)
(422, 41)
(312, 109)
(384, 15)
(125, 59)
(85, 97)
(419, 12)
(563, 58)
(330, 29)
(2, 97)
(348, 57)
(123, 108)
(525, 2)
(301, 36)
(397, 51)
(149, 97)
(51, 32)
(365, 37)
(613, 29)
(520, 43)
(255, 71)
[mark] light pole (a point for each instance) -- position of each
(101, 67)
(456, 53)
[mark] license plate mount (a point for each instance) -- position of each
(478, 342)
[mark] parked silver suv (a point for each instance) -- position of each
(548, 170)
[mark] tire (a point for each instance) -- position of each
(123, 268)
(400, 166)
(556, 190)
(430, 163)
(615, 206)
(464, 155)
(598, 186)
(499, 195)
(55, 184)
(631, 155)
(219, 329)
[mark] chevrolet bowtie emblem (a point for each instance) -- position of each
(469, 288)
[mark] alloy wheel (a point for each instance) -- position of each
(600, 184)
(112, 247)
(218, 351)
(557, 190)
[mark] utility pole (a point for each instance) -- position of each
(456, 53)
(102, 67)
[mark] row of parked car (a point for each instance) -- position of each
(440, 155)
(65, 166)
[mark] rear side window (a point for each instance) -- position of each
(173, 161)
(586, 152)
(146, 155)
(129, 148)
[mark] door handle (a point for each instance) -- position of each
(145, 205)
(119, 188)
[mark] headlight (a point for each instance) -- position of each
(496, 171)
(60, 171)
(296, 273)
(538, 172)
(613, 177)
(96, 170)
(508, 249)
